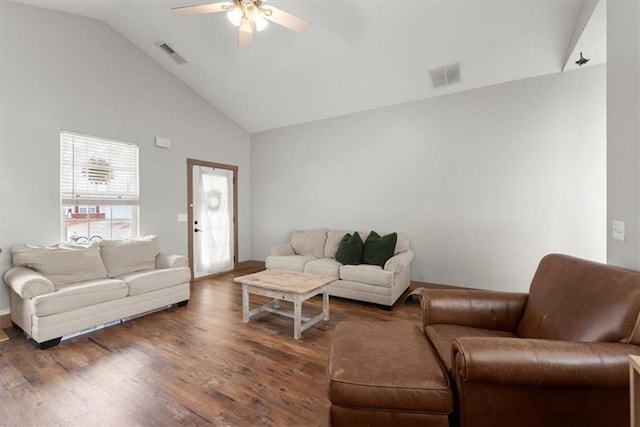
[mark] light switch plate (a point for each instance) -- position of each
(182, 217)
(618, 230)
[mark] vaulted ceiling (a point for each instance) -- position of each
(358, 55)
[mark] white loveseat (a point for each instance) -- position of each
(314, 251)
(62, 289)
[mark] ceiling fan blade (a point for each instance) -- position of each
(203, 8)
(245, 34)
(286, 19)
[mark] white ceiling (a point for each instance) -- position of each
(358, 55)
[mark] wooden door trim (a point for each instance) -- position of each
(190, 164)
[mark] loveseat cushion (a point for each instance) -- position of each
(288, 262)
(441, 337)
(62, 263)
(333, 241)
(77, 295)
(142, 282)
(323, 267)
(130, 255)
(370, 274)
(309, 242)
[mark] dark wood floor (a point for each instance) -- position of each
(193, 365)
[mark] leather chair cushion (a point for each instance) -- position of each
(441, 337)
(386, 366)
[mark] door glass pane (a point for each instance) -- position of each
(213, 213)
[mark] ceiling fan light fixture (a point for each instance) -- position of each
(248, 16)
(261, 23)
(246, 26)
(235, 16)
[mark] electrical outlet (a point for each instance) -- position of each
(618, 230)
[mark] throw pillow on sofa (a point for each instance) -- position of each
(377, 250)
(130, 255)
(350, 249)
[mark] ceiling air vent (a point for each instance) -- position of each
(172, 53)
(446, 75)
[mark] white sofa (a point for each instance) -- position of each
(314, 251)
(62, 289)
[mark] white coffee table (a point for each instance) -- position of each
(282, 285)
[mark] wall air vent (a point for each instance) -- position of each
(172, 53)
(446, 75)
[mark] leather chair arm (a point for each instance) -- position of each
(542, 362)
(281, 250)
(474, 308)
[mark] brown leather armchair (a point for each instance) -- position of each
(555, 356)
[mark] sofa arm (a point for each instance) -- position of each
(171, 261)
(542, 363)
(282, 250)
(28, 283)
(399, 261)
(475, 308)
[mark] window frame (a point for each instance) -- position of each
(122, 164)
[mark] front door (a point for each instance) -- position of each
(212, 217)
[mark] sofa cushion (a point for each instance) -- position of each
(377, 250)
(442, 336)
(288, 262)
(77, 295)
(370, 274)
(141, 282)
(323, 267)
(309, 242)
(130, 255)
(350, 249)
(333, 241)
(63, 263)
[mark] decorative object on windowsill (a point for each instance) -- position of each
(249, 15)
(582, 60)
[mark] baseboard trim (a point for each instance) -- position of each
(415, 284)
(251, 264)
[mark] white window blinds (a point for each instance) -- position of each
(97, 171)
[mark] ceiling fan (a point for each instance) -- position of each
(248, 15)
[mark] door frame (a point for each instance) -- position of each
(190, 164)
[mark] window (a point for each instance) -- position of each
(98, 188)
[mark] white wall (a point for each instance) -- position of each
(59, 71)
(485, 182)
(623, 130)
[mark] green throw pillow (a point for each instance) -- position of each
(377, 250)
(350, 249)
